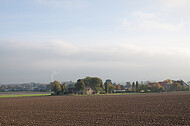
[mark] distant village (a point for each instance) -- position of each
(94, 85)
(35, 87)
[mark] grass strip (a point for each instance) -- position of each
(23, 95)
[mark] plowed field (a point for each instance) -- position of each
(135, 109)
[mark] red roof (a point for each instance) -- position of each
(163, 84)
(153, 84)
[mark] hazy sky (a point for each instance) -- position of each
(125, 40)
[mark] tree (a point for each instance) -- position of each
(117, 87)
(110, 88)
(133, 87)
(137, 86)
(144, 87)
(63, 88)
(169, 80)
(128, 85)
(106, 87)
(56, 87)
(95, 83)
(80, 85)
(156, 88)
(176, 86)
(108, 81)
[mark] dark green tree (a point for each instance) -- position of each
(80, 85)
(137, 86)
(133, 87)
(63, 88)
(95, 83)
(106, 87)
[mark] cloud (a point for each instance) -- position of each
(58, 51)
(73, 61)
(175, 4)
(62, 3)
(150, 22)
(56, 46)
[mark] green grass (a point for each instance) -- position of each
(23, 95)
(32, 95)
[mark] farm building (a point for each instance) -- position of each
(87, 90)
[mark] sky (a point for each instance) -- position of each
(122, 40)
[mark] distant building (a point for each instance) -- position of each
(87, 90)
(164, 84)
(151, 84)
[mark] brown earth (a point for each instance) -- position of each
(134, 109)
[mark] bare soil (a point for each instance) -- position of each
(135, 109)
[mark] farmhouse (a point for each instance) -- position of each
(153, 84)
(163, 84)
(87, 90)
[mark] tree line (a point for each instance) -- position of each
(98, 87)
(95, 83)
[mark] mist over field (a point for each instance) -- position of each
(71, 39)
